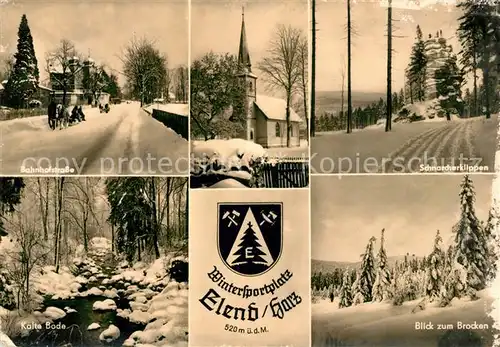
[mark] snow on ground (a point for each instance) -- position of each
(94, 146)
(5, 341)
(228, 183)
(232, 158)
(179, 109)
(168, 313)
(382, 324)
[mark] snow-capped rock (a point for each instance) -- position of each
(93, 326)
(110, 334)
(106, 305)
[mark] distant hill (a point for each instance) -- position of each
(326, 266)
(332, 100)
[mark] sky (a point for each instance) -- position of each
(104, 27)
(369, 49)
(347, 211)
(216, 25)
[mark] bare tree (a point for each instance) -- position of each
(303, 79)
(62, 67)
(342, 88)
(58, 217)
(349, 59)
(43, 185)
(281, 66)
(81, 196)
(180, 83)
(29, 252)
(313, 68)
(388, 121)
(145, 69)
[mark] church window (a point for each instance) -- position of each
(250, 86)
(278, 130)
(251, 134)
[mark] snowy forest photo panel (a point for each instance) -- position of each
(93, 261)
(402, 261)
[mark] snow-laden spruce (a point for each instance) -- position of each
(364, 283)
(435, 269)
(382, 286)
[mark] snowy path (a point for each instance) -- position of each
(125, 141)
(407, 147)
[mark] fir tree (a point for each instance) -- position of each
(435, 269)
(345, 291)
(23, 80)
(366, 279)
(449, 80)
(418, 64)
(492, 244)
(475, 39)
(382, 285)
(470, 243)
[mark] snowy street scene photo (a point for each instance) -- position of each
(249, 94)
(405, 261)
(108, 95)
(405, 87)
(90, 262)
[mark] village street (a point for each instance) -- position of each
(125, 141)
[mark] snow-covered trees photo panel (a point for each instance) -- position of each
(393, 256)
(93, 261)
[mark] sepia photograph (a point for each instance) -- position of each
(406, 260)
(404, 86)
(249, 88)
(93, 261)
(94, 88)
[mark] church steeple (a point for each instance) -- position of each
(243, 53)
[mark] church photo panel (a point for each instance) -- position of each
(249, 268)
(249, 122)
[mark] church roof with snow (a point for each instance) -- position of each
(275, 108)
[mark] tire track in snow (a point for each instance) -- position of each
(407, 150)
(430, 148)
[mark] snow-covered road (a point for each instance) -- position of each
(407, 146)
(125, 141)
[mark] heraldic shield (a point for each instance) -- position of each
(250, 236)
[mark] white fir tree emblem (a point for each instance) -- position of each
(250, 247)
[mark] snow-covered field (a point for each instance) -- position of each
(385, 325)
(123, 141)
(371, 150)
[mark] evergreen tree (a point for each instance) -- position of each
(470, 243)
(345, 291)
(492, 244)
(23, 80)
(11, 189)
(366, 279)
(449, 80)
(435, 269)
(418, 64)
(475, 38)
(382, 285)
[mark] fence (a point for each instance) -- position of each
(286, 173)
(176, 122)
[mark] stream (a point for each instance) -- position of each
(72, 330)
